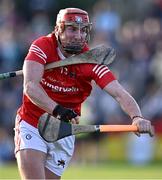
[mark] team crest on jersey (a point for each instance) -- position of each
(78, 19)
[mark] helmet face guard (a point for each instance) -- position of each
(77, 18)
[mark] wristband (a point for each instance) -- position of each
(137, 117)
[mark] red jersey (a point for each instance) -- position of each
(68, 86)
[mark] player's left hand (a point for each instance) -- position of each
(143, 125)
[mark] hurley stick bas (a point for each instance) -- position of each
(52, 129)
(98, 55)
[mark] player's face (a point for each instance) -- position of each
(77, 33)
(73, 36)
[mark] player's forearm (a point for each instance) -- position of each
(129, 105)
(126, 101)
(39, 97)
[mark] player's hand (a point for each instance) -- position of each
(75, 120)
(143, 125)
(65, 114)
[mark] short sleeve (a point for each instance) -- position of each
(101, 74)
(39, 51)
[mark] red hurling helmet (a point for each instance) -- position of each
(72, 17)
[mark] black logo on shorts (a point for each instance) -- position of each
(28, 136)
(61, 163)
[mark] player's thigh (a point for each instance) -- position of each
(31, 164)
(51, 175)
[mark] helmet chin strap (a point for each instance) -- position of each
(70, 49)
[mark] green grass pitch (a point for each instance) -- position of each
(99, 171)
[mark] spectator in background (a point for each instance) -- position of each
(6, 146)
(156, 64)
(106, 22)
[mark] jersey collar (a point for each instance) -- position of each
(60, 54)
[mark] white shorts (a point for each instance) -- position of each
(58, 153)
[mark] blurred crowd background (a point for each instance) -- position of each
(134, 29)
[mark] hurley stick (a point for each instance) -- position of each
(98, 55)
(52, 129)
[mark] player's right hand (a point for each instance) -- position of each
(65, 114)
